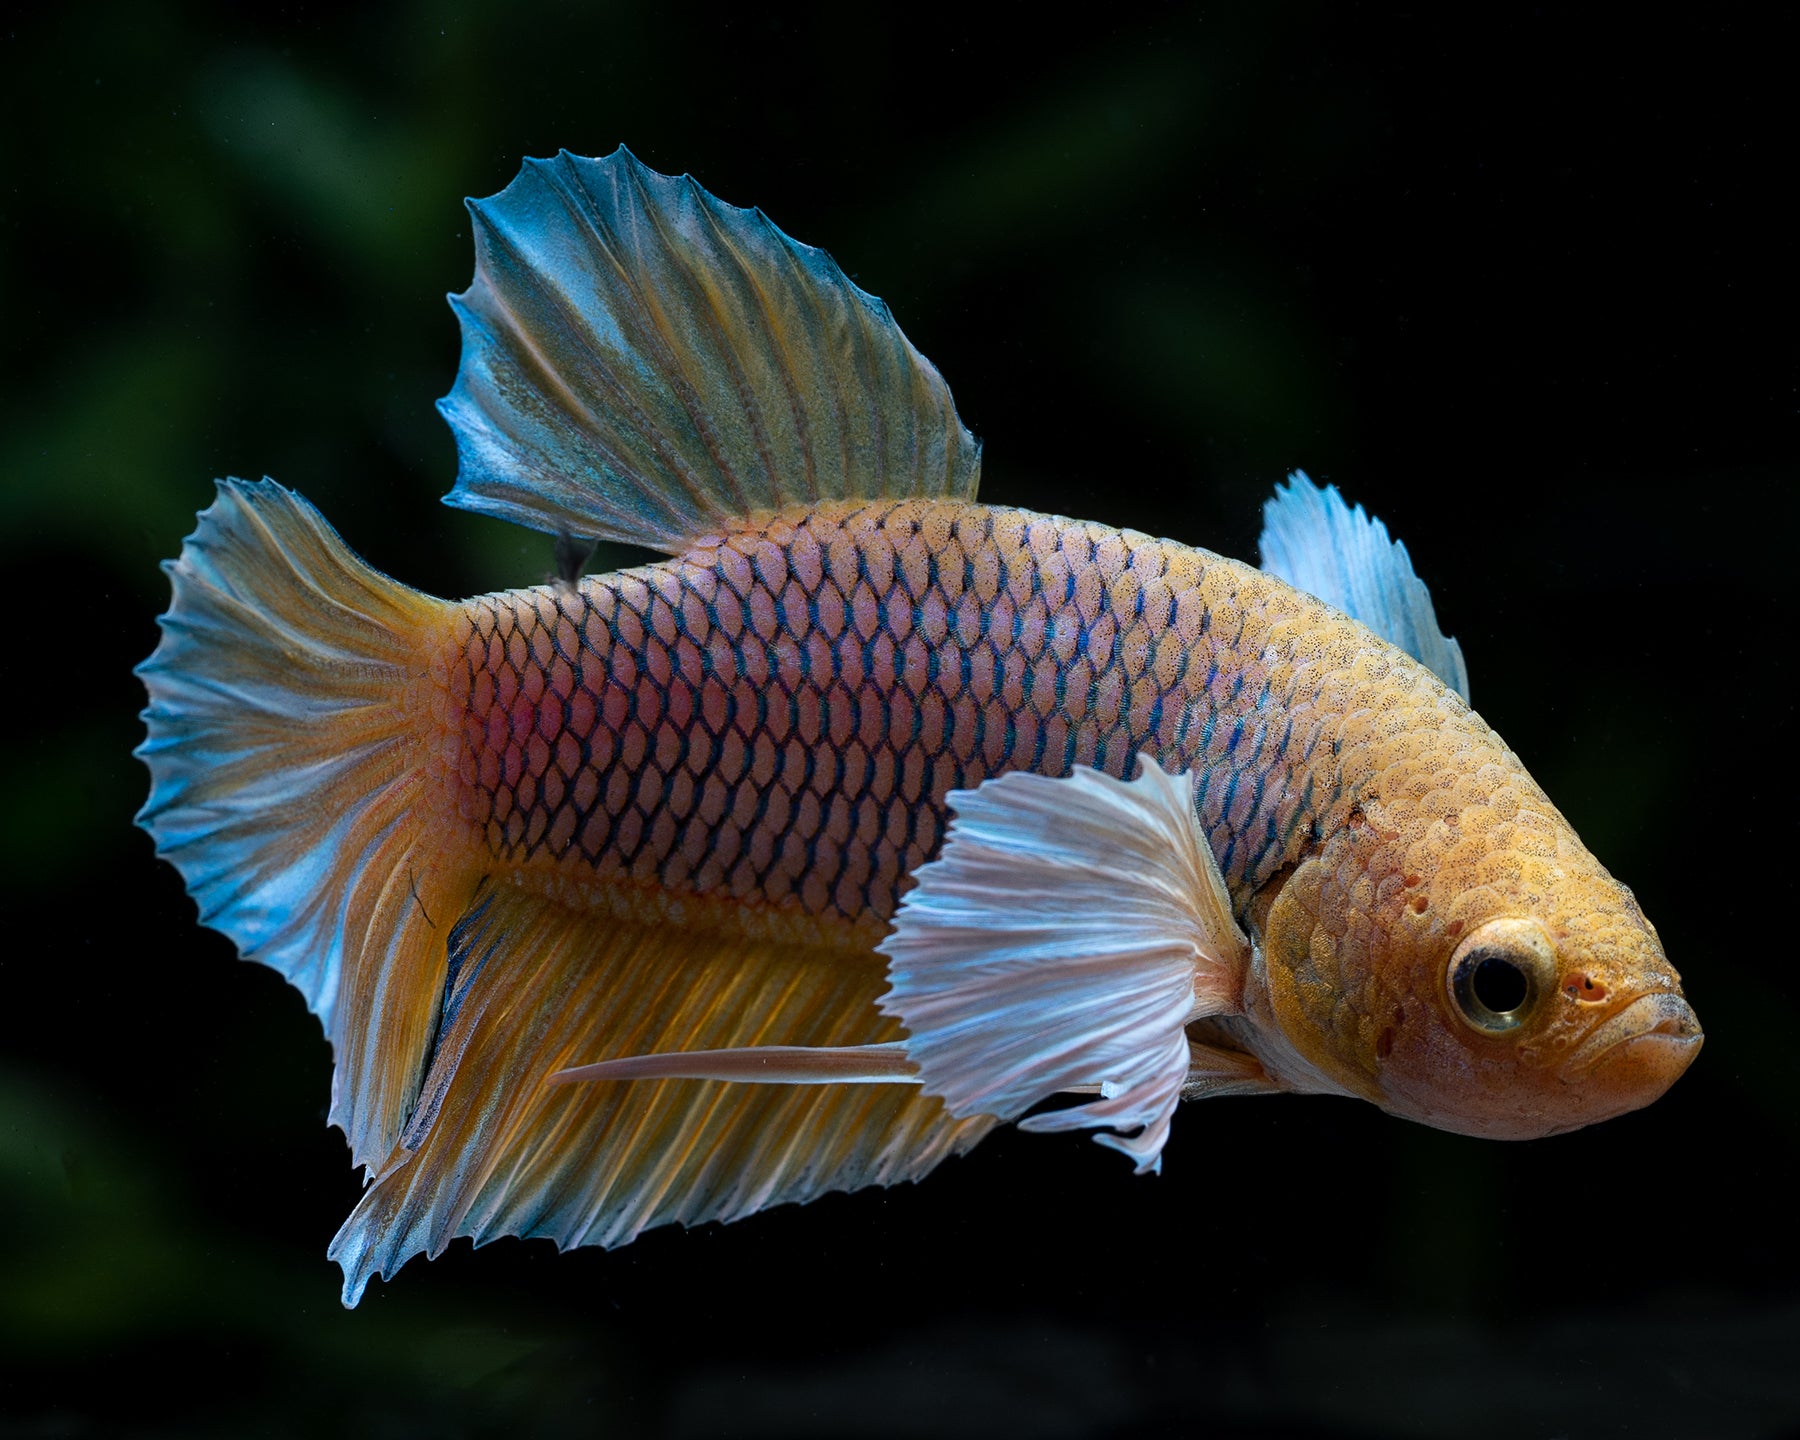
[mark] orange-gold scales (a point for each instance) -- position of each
(870, 818)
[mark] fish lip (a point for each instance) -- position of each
(1662, 1017)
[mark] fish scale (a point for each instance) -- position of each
(779, 714)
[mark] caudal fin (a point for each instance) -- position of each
(291, 728)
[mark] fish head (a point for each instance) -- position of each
(1543, 1023)
(1503, 986)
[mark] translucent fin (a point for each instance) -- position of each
(1214, 1071)
(1318, 544)
(643, 362)
(1070, 930)
(287, 785)
(498, 1148)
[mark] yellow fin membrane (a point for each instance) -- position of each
(643, 362)
(1062, 943)
(499, 1147)
(289, 785)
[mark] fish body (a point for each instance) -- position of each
(873, 815)
(776, 718)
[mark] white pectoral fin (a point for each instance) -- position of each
(1317, 543)
(1069, 931)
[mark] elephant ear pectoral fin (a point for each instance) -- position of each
(1068, 933)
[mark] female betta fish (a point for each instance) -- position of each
(874, 815)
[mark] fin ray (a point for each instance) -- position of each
(499, 1147)
(287, 781)
(1313, 540)
(643, 362)
(1063, 940)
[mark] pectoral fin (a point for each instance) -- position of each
(1318, 544)
(1069, 932)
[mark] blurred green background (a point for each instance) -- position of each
(1520, 280)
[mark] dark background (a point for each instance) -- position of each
(1520, 280)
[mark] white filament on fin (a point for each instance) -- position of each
(766, 1064)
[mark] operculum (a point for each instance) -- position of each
(1302, 1022)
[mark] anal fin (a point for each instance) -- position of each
(498, 1147)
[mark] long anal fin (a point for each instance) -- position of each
(1317, 543)
(499, 1147)
(1069, 931)
(643, 362)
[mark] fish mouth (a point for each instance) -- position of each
(1659, 1032)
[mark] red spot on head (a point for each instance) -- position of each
(1582, 986)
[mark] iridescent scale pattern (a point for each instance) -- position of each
(777, 715)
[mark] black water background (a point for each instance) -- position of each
(1521, 280)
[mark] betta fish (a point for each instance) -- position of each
(870, 818)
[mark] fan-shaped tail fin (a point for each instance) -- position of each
(292, 733)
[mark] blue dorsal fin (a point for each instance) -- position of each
(643, 362)
(1318, 544)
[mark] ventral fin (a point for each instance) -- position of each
(642, 362)
(761, 1064)
(1317, 543)
(1068, 933)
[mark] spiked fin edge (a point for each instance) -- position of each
(642, 362)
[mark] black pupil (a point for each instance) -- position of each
(1498, 984)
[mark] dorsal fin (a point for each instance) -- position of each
(643, 362)
(1317, 543)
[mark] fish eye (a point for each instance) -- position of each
(1491, 990)
(1498, 973)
